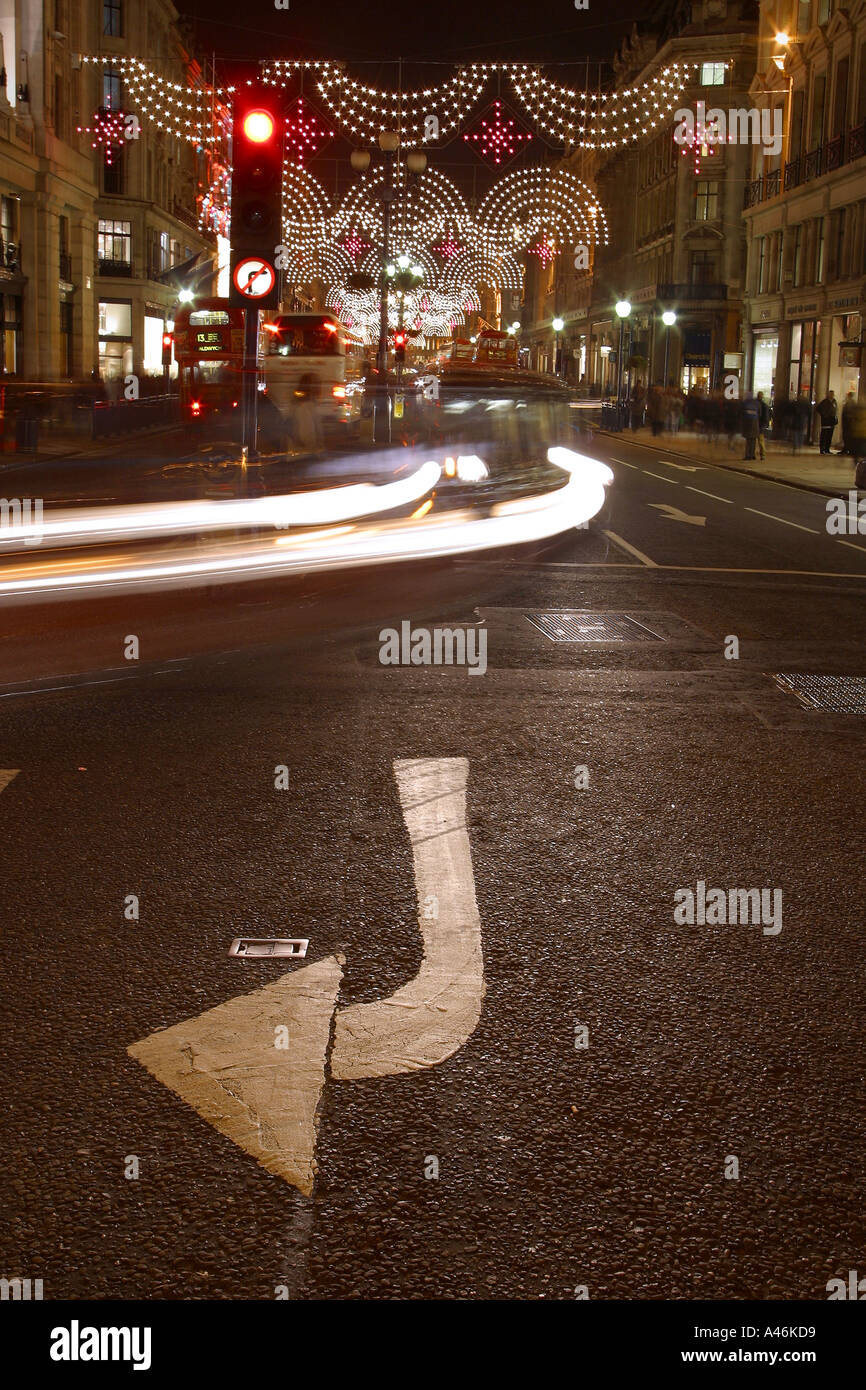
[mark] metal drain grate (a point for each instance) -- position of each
(833, 694)
(591, 627)
(248, 947)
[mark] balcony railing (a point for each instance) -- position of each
(711, 290)
(115, 268)
(824, 158)
(833, 154)
(793, 174)
(754, 193)
(812, 164)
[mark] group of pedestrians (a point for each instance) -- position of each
(713, 413)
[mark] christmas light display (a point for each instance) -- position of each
(569, 116)
(447, 248)
(541, 210)
(306, 132)
(496, 135)
(107, 130)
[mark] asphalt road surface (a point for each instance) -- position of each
(503, 1068)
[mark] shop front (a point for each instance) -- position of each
(846, 350)
(696, 359)
(803, 360)
(765, 356)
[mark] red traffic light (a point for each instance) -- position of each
(166, 340)
(400, 339)
(259, 126)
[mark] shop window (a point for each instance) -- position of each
(115, 318)
(10, 331)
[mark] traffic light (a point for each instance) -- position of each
(400, 340)
(258, 124)
(166, 349)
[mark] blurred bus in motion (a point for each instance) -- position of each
(209, 347)
(305, 374)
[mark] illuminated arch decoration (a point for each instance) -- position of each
(542, 211)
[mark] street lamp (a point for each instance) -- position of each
(669, 318)
(558, 325)
(623, 309)
(387, 192)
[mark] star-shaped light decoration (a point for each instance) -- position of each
(497, 135)
(306, 130)
(354, 244)
(544, 250)
(107, 129)
(447, 248)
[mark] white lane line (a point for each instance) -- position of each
(708, 494)
(852, 546)
(674, 482)
(770, 517)
(624, 464)
(432, 1016)
(227, 1065)
(6, 775)
(631, 549)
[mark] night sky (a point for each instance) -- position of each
(449, 31)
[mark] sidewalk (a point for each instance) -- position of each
(832, 475)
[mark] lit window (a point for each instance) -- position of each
(114, 241)
(712, 74)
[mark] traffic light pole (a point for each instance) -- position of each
(249, 383)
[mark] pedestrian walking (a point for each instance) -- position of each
(849, 410)
(749, 419)
(829, 416)
(763, 424)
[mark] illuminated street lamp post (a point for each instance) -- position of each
(669, 318)
(558, 325)
(623, 309)
(388, 192)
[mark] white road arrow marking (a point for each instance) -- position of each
(225, 1065)
(431, 1017)
(266, 1099)
(674, 514)
(6, 775)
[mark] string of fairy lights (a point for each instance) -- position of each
(568, 115)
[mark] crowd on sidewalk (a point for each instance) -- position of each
(748, 420)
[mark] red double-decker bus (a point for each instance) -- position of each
(209, 348)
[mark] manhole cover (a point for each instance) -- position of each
(591, 627)
(835, 694)
(249, 947)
